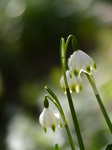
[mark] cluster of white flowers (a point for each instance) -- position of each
(77, 63)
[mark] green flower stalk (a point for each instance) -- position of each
(81, 62)
(50, 119)
(63, 49)
(71, 82)
(55, 100)
(107, 119)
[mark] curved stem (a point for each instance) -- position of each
(75, 44)
(63, 49)
(92, 82)
(58, 107)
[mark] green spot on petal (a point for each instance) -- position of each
(94, 66)
(45, 130)
(88, 69)
(72, 88)
(76, 73)
(60, 125)
(63, 88)
(79, 88)
(70, 75)
(53, 128)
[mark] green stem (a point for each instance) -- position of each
(69, 136)
(75, 44)
(57, 104)
(92, 82)
(75, 121)
(63, 49)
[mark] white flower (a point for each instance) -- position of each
(74, 83)
(80, 61)
(50, 119)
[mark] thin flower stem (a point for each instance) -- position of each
(69, 137)
(57, 104)
(75, 44)
(75, 121)
(92, 82)
(63, 49)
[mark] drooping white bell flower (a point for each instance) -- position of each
(49, 119)
(80, 61)
(74, 83)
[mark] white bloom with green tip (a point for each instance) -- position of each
(80, 61)
(49, 119)
(74, 83)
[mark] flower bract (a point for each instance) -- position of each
(80, 61)
(74, 83)
(49, 119)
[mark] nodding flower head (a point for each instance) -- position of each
(49, 119)
(80, 61)
(74, 83)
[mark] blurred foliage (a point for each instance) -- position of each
(30, 32)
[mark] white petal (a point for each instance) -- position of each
(80, 61)
(72, 80)
(56, 114)
(42, 121)
(48, 118)
(62, 83)
(75, 63)
(79, 85)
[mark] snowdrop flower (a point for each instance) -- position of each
(74, 83)
(49, 119)
(80, 61)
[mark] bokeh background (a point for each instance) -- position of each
(30, 32)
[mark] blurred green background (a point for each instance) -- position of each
(30, 32)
